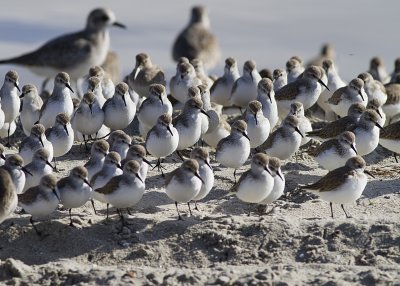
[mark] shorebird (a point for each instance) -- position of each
(107, 85)
(30, 107)
(39, 167)
(221, 89)
(373, 88)
(8, 196)
(294, 68)
(266, 96)
(378, 71)
(343, 185)
(258, 126)
(279, 79)
(144, 75)
(10, 102)
(36, 140)
(196, 40)
(72, 53)
(14, 165)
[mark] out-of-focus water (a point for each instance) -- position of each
(269, 32)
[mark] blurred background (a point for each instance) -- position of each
(269, 32)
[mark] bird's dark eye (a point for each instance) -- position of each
(105, 18)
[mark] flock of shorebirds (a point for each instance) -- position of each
(270, 125)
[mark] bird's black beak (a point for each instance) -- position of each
(119, 166)
(140, 179)
(87, 182)
(208, 164)
(266, 169)
(360, 93)
(123, 98)
(66, 129)
(26, 171)
(41, 141)
(204, 112)
(22, 95)
(323, 84)
(91, 110)
(16, 85)
(280, 176)
(379, 113)
(354, 148)
(245, 135)
(147, 161)
(161, 99)
(48, 163)
(298, 131)
(378, 125)
(69, 87)
(55, 193)
(119, 25)
(269, 96)
(198, 176)
(2, 156)
(170, 131)
(255, 118)
(369, 173)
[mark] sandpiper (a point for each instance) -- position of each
(125, 190)
(184, 79)
(138, 153)
(266, 96)
(274, 165)
(30, 107)
(392, 104)
(218, 128)
(2, 155)
(60, 101)
(255, 184)
(284, 141)
(119, 110)
(334, 83)
(373, 88)
(396, 70)
(343, 185)
(89, 117)
(107, 85)
(184, 183)
(334, 128)
(294, 68)
(244, 89)
(121, 144)
(8, 196)
(279, 79)
(144, 75)
(201, 73)
(98, 153)
(378, 71)
(335, 152)
(233, 151)
(222, 87)
(366, 132)
(206, 173)
(61, 136)
(162, 140)
(14, 165)
(74, 190)
(189, 123)
(152, 107)
(10, 102)
(258, 127)
(94, 85)
(389, 138)
(41, 200)
(305, 90)
(297, 110)
(39, 167)
(376, 105)
(72, 53)
(36, 140)
(196, 40)
(327, 52)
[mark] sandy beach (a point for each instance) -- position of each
(295, 243)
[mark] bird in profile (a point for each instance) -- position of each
(73, 53)
(197, 41)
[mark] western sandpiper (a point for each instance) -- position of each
(373, 88)
(222, 87)
(258, 127)
(274, 165)
(378, 70)
(297, 110)
(184, 79)
(343, 185)
(36, 140)
(279, 79)
(294, 68)
(98, 153)
(8, 196)
(39, 167)
(266, 96)
(14, 165)
(30, 107)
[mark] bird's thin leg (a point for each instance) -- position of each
(234, 175)
(128, 211)
(180, 155)
(249, 210)
(34, 227)
(8, 136)
(190, 211)
(395, 157)
(331, 209)
(70, 218)
(94, 207)
(107, 211)
(179, 214)
(347, 216)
